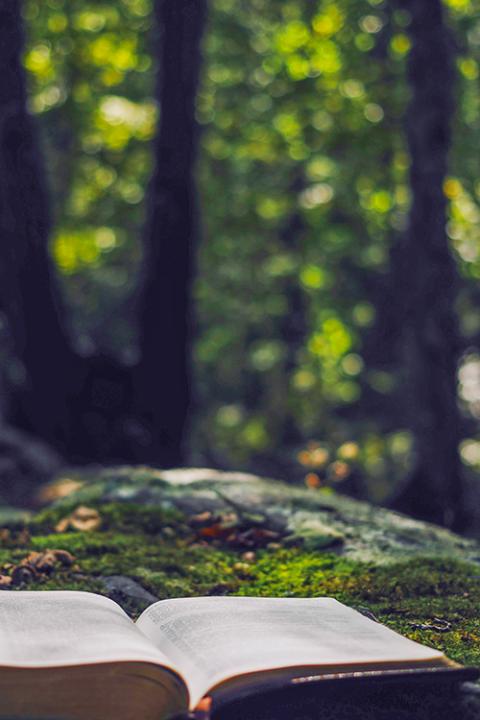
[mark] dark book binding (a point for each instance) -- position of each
(302, 693)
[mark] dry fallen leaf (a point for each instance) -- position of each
(63, 525)
(61, 488)
(64, 557)
(203, 518)
(38, 564)
(83, 518)
(5, 581)
(214, 532)
(41, 562)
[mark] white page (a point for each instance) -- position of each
(215, 638)
(56, 628)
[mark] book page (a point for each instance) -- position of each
(61, 628)
(215, 638)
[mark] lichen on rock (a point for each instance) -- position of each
(321, 518)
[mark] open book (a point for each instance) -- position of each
(77, 655)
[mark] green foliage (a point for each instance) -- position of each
(301, 107)
(91, 82)
(285, 135)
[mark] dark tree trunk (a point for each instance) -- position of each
(428, 278)
(85, 407)
(79, 406)
(163, 375)
(28, 291)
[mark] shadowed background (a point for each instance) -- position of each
(244, 235)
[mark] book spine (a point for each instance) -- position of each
(201, 712)
(195, 715)
(203, 709)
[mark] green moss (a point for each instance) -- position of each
(166, 568)
(118, 516)
(402, 596)
(87, 584)
(157, 548)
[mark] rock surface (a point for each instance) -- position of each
(119, 587)
(24, 462)
(319, 519)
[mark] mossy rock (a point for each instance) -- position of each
(199, 532)
(317, 518)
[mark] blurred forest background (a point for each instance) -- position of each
(305, 302)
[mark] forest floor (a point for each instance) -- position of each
(138, 534)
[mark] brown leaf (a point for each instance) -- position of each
(83, 518)
(38, 564)
(229, 520)
(64, 557)
(214, 531)
(58, 489)
(5, 581)
(62, 525)
(203, 518)
(86, 519)
(42, 562)
(254, 537)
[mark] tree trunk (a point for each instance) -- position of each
(163, 374)
(428, 278)
(80, 406)
(28, 291)
(85, 407)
